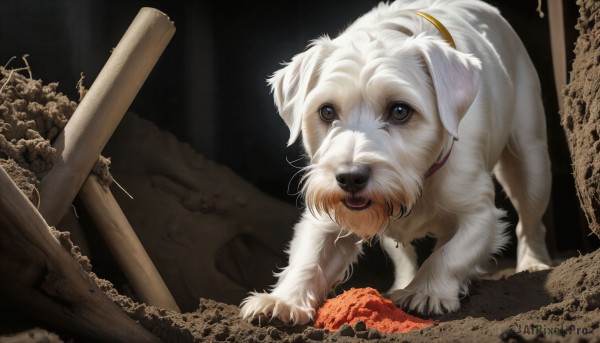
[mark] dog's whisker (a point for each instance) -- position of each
(345, 232)
(290, 183)
(291, 163)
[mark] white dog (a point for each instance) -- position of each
(405, 116)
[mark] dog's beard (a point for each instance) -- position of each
(390, 194)
(366, 223)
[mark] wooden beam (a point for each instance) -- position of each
(125, 246)
(101, 110)
(40, 278)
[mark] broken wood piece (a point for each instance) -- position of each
(101, 110)
(125, 245)
(41, 279)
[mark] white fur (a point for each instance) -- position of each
(485, 93)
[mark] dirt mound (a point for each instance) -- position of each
(32, 115)
(366, 305)
(581, 117)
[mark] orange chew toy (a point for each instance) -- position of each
(367, 305)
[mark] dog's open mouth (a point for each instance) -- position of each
(357, 203)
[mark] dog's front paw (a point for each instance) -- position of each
(531, 264)
(426, 304)
(266, 309)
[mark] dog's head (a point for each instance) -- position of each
(375, 114)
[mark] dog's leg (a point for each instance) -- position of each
(405, 261)
(318, 260)
(526, 179)
(458, 257)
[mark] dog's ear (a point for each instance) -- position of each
(455, 77)
(291, 84)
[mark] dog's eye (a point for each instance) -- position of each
(399, 113)
(327, 113)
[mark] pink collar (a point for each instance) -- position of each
(437, 165)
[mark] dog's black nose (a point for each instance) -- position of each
(352, 177)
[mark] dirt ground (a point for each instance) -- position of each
(562, 304)
(556, 305)
(209, 278)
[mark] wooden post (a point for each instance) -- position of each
(101, 110)
(125, 245)
(558, 46)
(40, 278)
